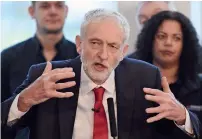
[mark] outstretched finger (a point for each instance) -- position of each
(60, 76)
(69, 84)
(157, 117)
(62, 95)
(165, 85)
(48, 67)
(153, 91)
(154, 110)
(154, 98)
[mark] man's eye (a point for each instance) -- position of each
(94, 42)
(113, 46)
(45, 6)
(60, 5)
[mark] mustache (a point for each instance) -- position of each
(105, 64)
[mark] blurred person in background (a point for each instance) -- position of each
(169, 41)
(48, 44)
(146, 9)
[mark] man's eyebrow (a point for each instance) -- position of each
(96, 39)
(113, 43)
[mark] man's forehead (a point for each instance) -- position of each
(49, 2)
(98, 30)
(154, 6)
(104, 25)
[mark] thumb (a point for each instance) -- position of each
(48, 67)
(165, 85)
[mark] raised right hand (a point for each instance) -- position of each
(45, 87)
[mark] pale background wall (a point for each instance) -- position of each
(128, 9)
(16, 12)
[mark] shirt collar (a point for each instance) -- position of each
(87, 85)
(39, 46)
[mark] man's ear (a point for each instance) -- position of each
(66, 10)
(78, 44)
(31, 11)
(125, 50)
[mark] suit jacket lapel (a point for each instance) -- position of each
(67, 107)
(125, 92)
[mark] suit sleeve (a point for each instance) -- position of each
(196, 116)
(10, 131)
(195, 123)
(5, 66)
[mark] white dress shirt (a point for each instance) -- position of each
(83, 126)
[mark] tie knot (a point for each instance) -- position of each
(99, 92)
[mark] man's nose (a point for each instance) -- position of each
(53, 9)
(103, 53)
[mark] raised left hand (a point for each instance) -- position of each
(169, 107)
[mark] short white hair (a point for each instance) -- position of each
(170, 4)
(102, 14)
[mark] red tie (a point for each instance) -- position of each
(100, 130)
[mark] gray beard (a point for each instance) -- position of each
(89, 73)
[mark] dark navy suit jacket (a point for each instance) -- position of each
(55, 118)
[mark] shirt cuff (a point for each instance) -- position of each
(14, 113)
(188, 125)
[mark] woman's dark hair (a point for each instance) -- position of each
(188, 68)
